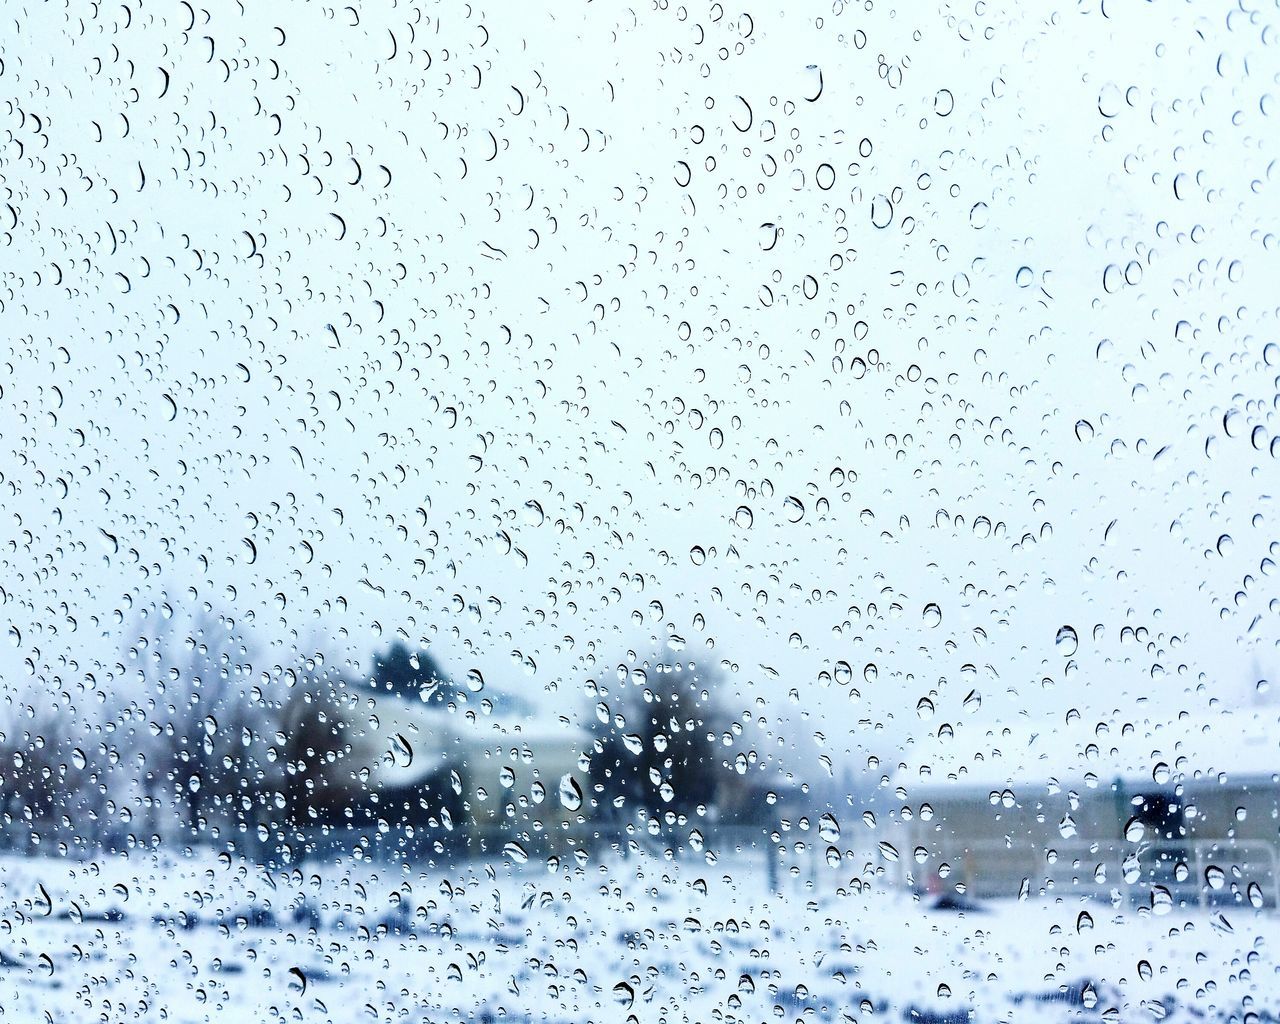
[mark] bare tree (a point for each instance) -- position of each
(31, 792)
(206, 721)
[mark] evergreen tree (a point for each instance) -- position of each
(412, 675)
(656, 730)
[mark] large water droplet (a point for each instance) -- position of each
(881, 211)
(570, 793)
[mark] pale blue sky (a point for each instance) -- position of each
(317, 333)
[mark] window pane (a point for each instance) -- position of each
(575, 512)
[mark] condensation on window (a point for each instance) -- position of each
(674, 512)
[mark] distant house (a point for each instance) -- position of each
(421, 779)
(1185, 810)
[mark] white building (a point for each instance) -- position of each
(1191, 804)
(410, 773)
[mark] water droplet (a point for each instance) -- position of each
(881, 211)
(1131, 868)
(570, 793)
(1110, 99)
(812, 87)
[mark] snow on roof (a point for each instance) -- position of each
(400, 743)
(1242, 744)
(532, 729)
(404, 742)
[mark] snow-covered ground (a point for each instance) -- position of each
(152, 937)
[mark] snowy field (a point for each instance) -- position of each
(152, 938)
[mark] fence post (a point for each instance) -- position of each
(1275, 881)
(1201, 885)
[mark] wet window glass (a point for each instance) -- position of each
(674, 512)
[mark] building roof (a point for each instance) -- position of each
(1152, 752)
(404, 742)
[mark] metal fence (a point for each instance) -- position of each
(1199, 872)
(370, 842)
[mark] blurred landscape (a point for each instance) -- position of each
(672, 513)
(405, 762)
(203, 936)
(405, 846)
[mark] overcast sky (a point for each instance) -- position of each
(864, 350)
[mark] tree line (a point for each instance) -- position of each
(193, 743)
